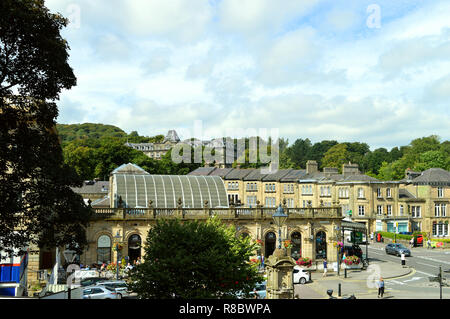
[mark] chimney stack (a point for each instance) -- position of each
(350, 169)
(311, 167)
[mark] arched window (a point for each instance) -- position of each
(104, 249)
(321, 245)
(296, 251)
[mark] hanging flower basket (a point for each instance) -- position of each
(260, 242)
(338, 244)
(287, 244)
(117, 246)
(304, 262)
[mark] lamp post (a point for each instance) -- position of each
(279, 218)
(69, 255)
(117, 237)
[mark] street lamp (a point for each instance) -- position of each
(279, 218)
(117, 237)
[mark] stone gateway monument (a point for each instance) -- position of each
(280, 283)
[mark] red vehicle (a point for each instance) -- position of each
(418, 240)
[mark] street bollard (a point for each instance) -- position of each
(345, 273)
(339, 289)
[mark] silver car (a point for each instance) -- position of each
(397, 249)
(99, 292)
(119, 286)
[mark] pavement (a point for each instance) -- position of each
(361, 283)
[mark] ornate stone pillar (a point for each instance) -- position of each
(279, 268)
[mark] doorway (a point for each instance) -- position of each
(270, 242)
(134, 248)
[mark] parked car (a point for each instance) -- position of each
(99, 292)
(119, 286)
(301, 276)
(353, 250)
(92, 281)
(260, 290)
(397, 249)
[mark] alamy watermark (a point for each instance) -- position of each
(263, 147)
(374, 18)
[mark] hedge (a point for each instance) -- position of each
(408, 237)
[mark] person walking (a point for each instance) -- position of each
(428, 243)
(403, 258)
(411, 242)
(325, 267)
(380, 288)
(262, 261)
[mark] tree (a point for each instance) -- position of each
(319, 149)
(336, 156)
(37, 203)
(195, 259)
(298, 152)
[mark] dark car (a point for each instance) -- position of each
(397, 249)
(353, 250)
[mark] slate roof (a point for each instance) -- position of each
(293, 175)
(202, 171)
(220, 172)
(275, 177)
(403, 193)
(255, 175)
(96, 188)
(433, 176)
(238, 174)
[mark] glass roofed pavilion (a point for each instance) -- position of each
(136, 188)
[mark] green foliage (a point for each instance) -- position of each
(195, 259)
(421, 154)
(94, 150)
(336, 156)
(37, 203)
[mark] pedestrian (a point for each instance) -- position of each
(411, 242)
(255, 292)
(380, 287)
(428, 243)
(403, 259)
(371, 236)
(325, 267)
(262, 261)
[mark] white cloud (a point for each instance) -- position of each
(311, 68)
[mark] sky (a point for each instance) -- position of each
(348, 70)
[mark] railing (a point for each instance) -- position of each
(225, 213)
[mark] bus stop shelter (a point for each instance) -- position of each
(357, 227)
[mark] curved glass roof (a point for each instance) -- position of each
(165, 190)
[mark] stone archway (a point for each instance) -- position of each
(296, 250)
(270, 241)
(321, 244)
(134, 248)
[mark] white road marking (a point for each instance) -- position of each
(435, 260)
(395, 281)
(429, 275)
(413, 279)
(427, 265)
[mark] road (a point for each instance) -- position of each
(425, 264)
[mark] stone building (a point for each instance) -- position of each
(137, 199)
(157, 150)
(417, 203)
